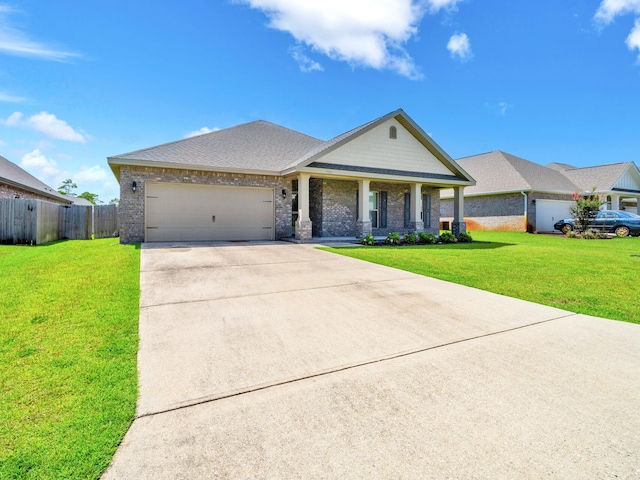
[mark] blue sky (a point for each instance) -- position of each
(549, 81)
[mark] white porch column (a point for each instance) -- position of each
(363, 224)
(416, 222)
(615, 202)
(303, 223)
(458, 225)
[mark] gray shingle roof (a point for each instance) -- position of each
(500, 172)
(559, 166)
(14, 175)
(258, 146)
(262, 147)
(602, 177)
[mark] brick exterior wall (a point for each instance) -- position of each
(491, 212)
(338, 207)
(333, 207)
(131, 211)
(9, 191)
(499, 212)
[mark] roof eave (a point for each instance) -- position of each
(116, 163)
(34, 190)
(431, 145)
(353, 175)
(518, 190)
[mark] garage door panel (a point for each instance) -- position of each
(550, 211)
(180, 212)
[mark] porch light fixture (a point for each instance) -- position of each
(284, 193)
(134, 185)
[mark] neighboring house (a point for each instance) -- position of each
(17, 183)
(80, 201)
(514, 194)
(261, 181)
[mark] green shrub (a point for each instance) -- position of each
(368, 239)
(572, 234)
(593, 234)
(393, 239)
(447, 237)
(464, 238)
(411, 238)
(428, 238)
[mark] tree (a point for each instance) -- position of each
(114, 201)
(585, 208)
(67, 188)
(92, 197)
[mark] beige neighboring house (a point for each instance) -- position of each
(261, 181)
(514, 194)
(17, 183)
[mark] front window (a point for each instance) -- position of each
(373, 209)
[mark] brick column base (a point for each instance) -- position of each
(362, 229)
(458, 227)
(303, 230)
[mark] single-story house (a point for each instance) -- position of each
(261, 181)
(17, 183)
(514, 194)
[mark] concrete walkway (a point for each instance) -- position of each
(277, 360)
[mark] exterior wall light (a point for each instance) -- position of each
(134, 186)
(284, 193)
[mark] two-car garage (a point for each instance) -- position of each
(186, 212)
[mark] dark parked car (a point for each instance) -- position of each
(610, 221)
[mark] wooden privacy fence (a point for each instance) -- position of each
(34, 222)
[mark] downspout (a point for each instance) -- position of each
(526, 205)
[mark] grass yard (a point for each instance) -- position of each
(68, 344)
(593, 277)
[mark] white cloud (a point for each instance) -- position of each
(201, 131)
(304, 62)
(15, 42)
(5, 97)
(435, 6)
(460, 47)
(610, 9)
(633, 40)
(369, 33)
(93, 178)
(91, 174)
(504, 106)
(500, 107)
(45, 169)
(48, 124)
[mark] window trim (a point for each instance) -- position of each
(376, 210)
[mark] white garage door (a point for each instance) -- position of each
(181, 212)
(549, 212)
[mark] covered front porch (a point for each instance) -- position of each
(629, 202)
(339, 207)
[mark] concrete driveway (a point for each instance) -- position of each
(277, 360)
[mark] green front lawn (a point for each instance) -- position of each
(594, 277)
(68, 345)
